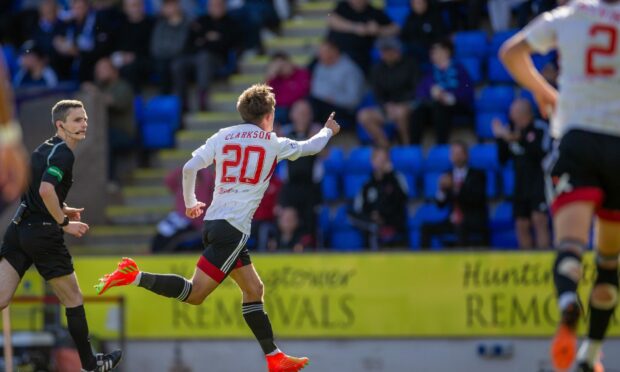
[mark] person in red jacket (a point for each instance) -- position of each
(290, 83)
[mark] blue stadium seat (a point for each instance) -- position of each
(497, 72)
(349, 240)
(407, 159)
(398, 13)
(330, 187)
(484, 156)
(393, 3)
(163, 109)
(501, 218)
(495, 99)
(10, 57)
(324, 222)
(470, 44)
(157, 135)
(358, 161)
(430, 184)
(473, 67)
(484, 123)
(504, 240)
(353, 183)
(508, 180)
(426, 213)
(438, 159)
(138, 110)
(541, 60)
(333, 165)
(498, 39)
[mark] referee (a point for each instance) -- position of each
(35, 236)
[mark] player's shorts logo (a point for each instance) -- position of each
(562, 184)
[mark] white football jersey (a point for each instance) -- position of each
(245, 157)
(585, 33)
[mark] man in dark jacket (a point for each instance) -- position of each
(393, 82)
(422, 28)
(463, 190)
(380, 208)
(211, 38)
(527, 142)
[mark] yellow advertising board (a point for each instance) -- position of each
(351, 296)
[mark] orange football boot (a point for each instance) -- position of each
(124, 274)
(281, 362)
(564, 344)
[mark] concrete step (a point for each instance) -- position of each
(294, 45)
(119, 234)
(137, 215)
(258, 64)
(192, 139)
(223, 101)
(148, 176)
(315, 8)
(156, 193)
(305, 26)
(172, 158)
(211, 120)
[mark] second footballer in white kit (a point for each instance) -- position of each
(245, 157)
(583, 176)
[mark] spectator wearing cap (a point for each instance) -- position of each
(337, 85)
(354, 25)
(34, 70)
(290, 83)
(393, 81)
(422, 27)
(445, 92)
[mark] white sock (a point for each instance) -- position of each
(566, 299)
(136, 281)
(589, 351)
(274, 352)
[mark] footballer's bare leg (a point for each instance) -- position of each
(255, 316)
(10, 280)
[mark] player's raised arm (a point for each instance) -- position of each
(292, 150)
(202, 158)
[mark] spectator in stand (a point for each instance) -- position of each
(131, 55)
(290, 83)
(212, 38)
(422, 28)
(46, 28)
(393, 82)
(264, 221)
(380, 207)
(83, 40)
(337, 85)
(253, 16)
(177, 229)
(34, 70)
(500, 13)
(169, 36)
(301, 189)
(527, 141)
(289, 235)
(463, 190)
(445, 92)
(117, 96)
(354, 25)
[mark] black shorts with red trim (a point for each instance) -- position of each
(584, 167)
(224, 249)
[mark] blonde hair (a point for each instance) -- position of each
(256, 102)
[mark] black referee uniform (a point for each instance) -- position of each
(528, 153)
(34, 236)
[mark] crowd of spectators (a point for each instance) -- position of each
(388, 77)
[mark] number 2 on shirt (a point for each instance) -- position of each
(604, 49)
(242, 156)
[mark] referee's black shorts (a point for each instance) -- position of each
(37, 241)
(224, 249)
(584, 167)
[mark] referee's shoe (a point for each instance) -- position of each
(107, 362)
